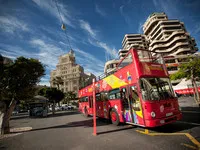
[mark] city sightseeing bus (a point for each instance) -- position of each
(139, 92)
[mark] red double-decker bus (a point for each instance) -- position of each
(139, 92)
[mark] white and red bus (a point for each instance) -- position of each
(139, 92)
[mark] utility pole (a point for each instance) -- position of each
(94, 109)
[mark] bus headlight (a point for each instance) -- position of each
(153, 114)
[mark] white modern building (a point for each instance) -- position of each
(132, 40)
(168, 36)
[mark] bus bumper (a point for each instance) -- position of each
(163, 121)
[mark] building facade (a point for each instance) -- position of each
(168, 36)
(110, 66)
(69, 76)
(160, 34)
(132, 40)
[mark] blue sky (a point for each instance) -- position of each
(32, 28)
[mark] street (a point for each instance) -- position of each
(71, 130)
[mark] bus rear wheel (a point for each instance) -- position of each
(114, 117)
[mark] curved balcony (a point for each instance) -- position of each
(168, 23)
(167, 45)
(174, 48)
(175, 33)
(151, 21)
(162, 29)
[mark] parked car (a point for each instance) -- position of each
(57, 108)
(15, 112)
(70, 107)
(64, 107)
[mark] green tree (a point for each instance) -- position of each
(18, 81)
(190, 70)
(53, 94)
(69, 96)
(58, 81)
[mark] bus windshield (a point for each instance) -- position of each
(156, 89)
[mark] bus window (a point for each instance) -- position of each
(124, 98)
(114, 94)
(81, 99)
(134, 98)
(156, 89)
(126, 61)
(86, 99)
(104, 96)
(90, 101)
(98, 97)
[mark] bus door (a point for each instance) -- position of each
(90, 105)
(131, 103)
(99, 105)
(104, 97)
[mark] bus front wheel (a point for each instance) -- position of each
(114, 117)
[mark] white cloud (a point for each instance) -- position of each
(89, 58)
(16, 51)
(140, 28)
(196, 28)
(121, 9)
(95, 41)
(86, 26)
(11, 24)
(126, 18)
(100, 10)
(155, 2)
(48, 52)
(111, 51)
(167, 6)
(47, 83)
(50, 6)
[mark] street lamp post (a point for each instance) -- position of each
(94, 109)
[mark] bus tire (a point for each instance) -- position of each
(85, 112)
(114, 117)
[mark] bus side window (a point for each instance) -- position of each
(114, 94)
(86, 99)
(104, 96)
(98, 97)
(90, 101)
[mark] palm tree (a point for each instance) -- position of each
(69, 96)
(58, 81)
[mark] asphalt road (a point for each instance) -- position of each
(71, 130)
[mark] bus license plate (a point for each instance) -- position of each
(169, 114)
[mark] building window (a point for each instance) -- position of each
(172, 68)
(75, 88)
(170, 61)
(183, 59)
(74, 82)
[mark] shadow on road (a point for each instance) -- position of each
(174, 127)
(84, 124)
(58, 114)
(19, 117)
(116, 130)
(191, 114)
(66, 113)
